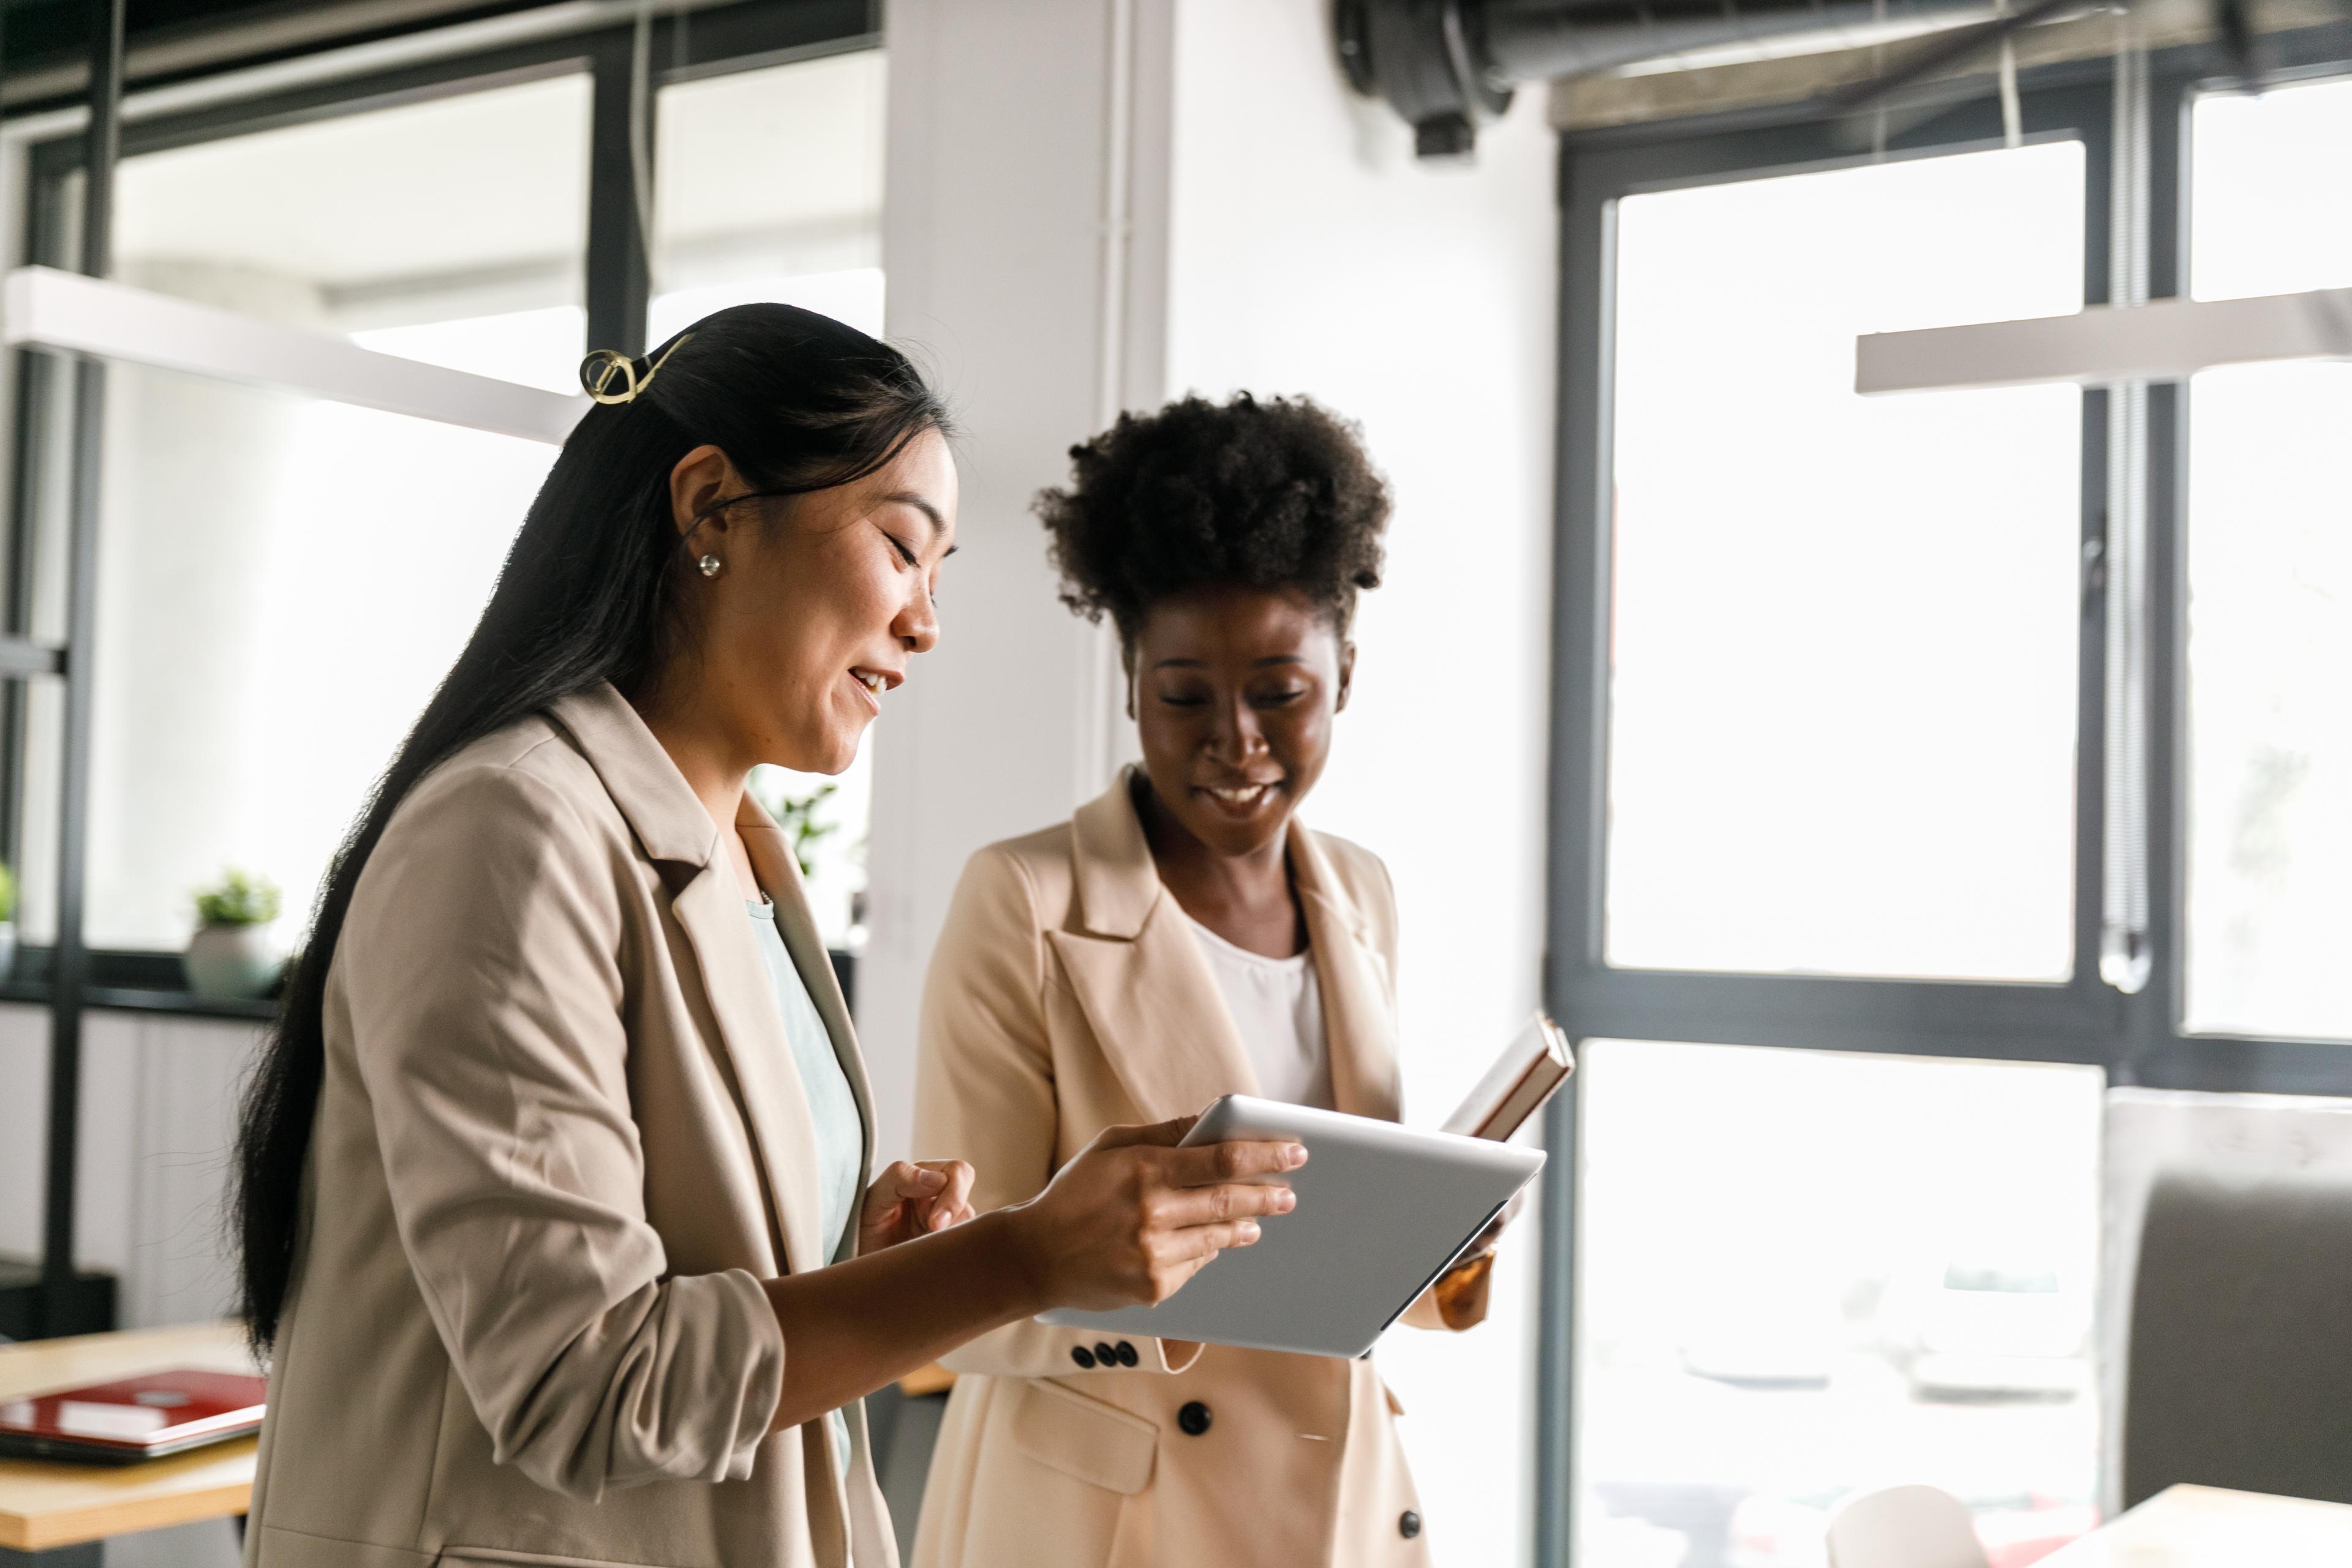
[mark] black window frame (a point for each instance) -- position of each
(2138, 1038)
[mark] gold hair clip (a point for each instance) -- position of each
(599, 369)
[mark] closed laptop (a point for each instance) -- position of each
(132, 1418)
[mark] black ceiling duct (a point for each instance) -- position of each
(1445, 65)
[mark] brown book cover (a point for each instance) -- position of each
(1528, 1072)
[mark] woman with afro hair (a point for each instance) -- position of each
(1180, 938)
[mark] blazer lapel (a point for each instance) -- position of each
(1139, 972)
(678, 834)
(710, 911)
(1359, 1007)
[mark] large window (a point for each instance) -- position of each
(1861, 746)
(1839, 729)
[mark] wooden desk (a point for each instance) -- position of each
(2203, 1527)
(44, 1505)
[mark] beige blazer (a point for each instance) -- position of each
(1067, 994)
(559, 1144)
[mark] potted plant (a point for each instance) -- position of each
(796, 815)
(231, 955)
(7, 923)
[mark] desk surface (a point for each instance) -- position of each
(2203, 1527)
(43, 1504)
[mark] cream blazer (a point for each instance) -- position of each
(559, 1144)
(1067, 994)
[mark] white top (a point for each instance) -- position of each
(1278, 1008)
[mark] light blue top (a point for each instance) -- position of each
(832, 1107)
(840, 1131)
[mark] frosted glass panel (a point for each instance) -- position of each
(2270, 580)
(1805, 1274)
(1844, 630)
(2261, 220)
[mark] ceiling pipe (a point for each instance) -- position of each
(1447, 67)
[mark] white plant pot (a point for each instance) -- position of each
(8, 951)
(232, 962)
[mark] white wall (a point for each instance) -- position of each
(1279, 237)
(998, 196)
(1312, 254)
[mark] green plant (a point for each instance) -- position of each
(796, 815)
(7, 895)
(238, 899)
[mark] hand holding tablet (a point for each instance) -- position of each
(1142, 1209)
(1382, 1212)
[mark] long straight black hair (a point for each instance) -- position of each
(799, 403)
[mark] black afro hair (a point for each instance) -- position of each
(1275, 494)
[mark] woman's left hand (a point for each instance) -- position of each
(911, 1200)
(1493, 1234)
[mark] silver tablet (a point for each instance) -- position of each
(1383, 1211)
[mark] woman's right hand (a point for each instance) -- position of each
(1133, 1217)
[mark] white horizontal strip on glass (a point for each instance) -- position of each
(45, 308)
(2162, 340)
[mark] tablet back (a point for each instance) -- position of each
(1382, 1212)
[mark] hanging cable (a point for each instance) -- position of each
(641, 174)
(1878, 69)
(2012, 121)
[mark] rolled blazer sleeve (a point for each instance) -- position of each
(985, 1093)
(480, 964)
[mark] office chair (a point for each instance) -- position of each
(2240, 1363)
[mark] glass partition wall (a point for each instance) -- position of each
(1831, 832)
(282, 579)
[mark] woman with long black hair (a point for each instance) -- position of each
(553, 1178)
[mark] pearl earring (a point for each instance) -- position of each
(710, 565)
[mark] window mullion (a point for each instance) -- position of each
(2152, 1017)
(619, 273)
